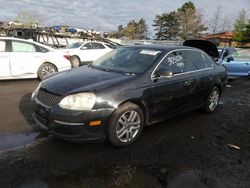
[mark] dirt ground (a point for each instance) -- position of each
(192, 150)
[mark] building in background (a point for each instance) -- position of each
(225, 39)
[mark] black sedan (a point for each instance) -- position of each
(125, 90)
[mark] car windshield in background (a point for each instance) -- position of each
(128, 60)
(241, 55)
(74, 45)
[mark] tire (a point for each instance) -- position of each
(125, 125)
(46, 69)
(75, 61)
(212, 100)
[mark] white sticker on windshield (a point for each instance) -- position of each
(149, 52)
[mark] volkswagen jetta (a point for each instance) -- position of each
(125, 90)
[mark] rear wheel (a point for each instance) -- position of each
(45, 70)
(125, 125)
(75, 61)
(212, 100)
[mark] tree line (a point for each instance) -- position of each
(184, 23)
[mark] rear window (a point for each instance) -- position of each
(195, 60)
(209, 61)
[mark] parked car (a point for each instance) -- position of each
(238, 63)
(87, 52)
(27, 59)
(125, 90)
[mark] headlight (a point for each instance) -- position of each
(79, 101)
(36, 90)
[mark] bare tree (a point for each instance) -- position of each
(226, 24)
(28, 18)
(215, 23)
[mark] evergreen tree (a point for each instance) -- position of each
(240, 26)
(166, 26)
(159, 26)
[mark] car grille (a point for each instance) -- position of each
(72, 131)
(47, 98)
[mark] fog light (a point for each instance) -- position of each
(95, 123)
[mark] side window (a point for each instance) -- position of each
(88, 46)
(175, 62)
(22, 47)
(2, 46)
(209, 61)
(195, 60)
(97, 46)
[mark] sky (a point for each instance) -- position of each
(106, 15)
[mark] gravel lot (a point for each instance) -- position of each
(191, 150)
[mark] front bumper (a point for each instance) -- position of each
(71, 125)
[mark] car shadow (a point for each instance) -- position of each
(26, 110)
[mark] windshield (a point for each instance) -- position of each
(74, 45)
(241, 55)
(128, 60)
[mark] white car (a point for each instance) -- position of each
(86, 52)
(21, 58)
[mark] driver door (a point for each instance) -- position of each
(171, 95)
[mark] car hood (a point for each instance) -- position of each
(207, 46)
(82, 79)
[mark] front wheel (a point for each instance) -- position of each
(212, 100)
(45, 70)
(125, 125)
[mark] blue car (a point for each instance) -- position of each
(238, 63)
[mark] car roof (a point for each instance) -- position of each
(160, 47)
(27, 40)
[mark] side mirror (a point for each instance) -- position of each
(83, 48)
(163, 73)
(230, 58)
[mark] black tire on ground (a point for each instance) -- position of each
(75, 61)
(125, 125)
(45, 69)
(212, 100)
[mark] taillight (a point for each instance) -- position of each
(67, 57)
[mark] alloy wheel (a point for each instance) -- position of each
(128, 126)
(48, 70)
